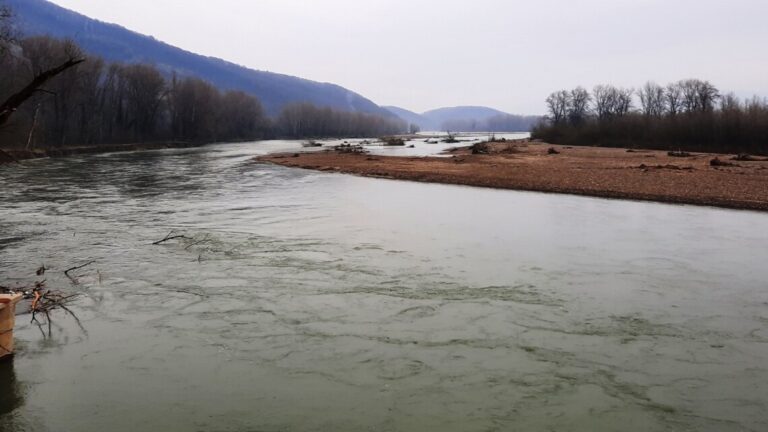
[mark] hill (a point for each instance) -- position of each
(461, 113)
(467, 119)
(411, 117)
(115, 43)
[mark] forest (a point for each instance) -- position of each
(53, 95)
(497, 123)
(690, 115)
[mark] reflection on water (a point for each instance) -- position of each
(11, 397)
(327, 302)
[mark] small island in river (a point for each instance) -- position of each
(697, 178)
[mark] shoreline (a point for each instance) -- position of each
(642, 175)
(17, 155)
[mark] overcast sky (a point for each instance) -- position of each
(507, 54)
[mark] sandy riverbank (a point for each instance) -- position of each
(591, 171)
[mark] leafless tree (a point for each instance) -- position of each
(557, 105)
(144, 91)
(612, 102)
(698, 95)
(673, 95)
(711, 122)
(578, 108)
(6, 28)
(304, 120)
(240, 117)
(652, 99)
(70, 57)
(604, 97)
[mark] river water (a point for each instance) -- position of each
(322, 302)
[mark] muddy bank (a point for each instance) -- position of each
(591, 171)
(15, 155)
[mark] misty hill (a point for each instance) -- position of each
(467, 119)
(115, 43)
(411, 117)
(442, 115)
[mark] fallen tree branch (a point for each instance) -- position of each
(170, 237)
(73, 279)
(66, 272)
(10, 105)
(205, 239)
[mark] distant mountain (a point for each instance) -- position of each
(464, 113)
(411, 117)
(466, 119)
(115, 43)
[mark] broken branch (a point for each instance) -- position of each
(170, 237)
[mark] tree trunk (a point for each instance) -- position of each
(13, 103)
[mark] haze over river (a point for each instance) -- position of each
(326, 302)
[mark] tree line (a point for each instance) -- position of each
(497, 123)
(53, 95)
(303, 120)
(688, 115)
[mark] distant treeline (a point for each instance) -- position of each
(96, 102)
(307, 120)
(687, 115)
(497, 123)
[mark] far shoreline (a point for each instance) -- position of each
(613, 173)
(17, 155)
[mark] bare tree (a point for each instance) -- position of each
(603, 96)
(612, 102)
(652, 99)
(6, 27)
(698, 95)
(69, 57)
(711, 121)
(624, 102)
(240, 117)
(557, 104)
(579, 105)
(730, 103)
(144, 91)
(673, 95)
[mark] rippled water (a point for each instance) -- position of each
(323, 302)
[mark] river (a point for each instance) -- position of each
(322, 302)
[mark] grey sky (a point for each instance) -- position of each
(508, 54)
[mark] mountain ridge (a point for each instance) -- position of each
(120, 44)
(466, 118)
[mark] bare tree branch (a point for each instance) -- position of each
(13, 103)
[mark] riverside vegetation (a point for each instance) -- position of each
(53, 95)
(690, 115)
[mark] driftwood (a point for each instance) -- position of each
(744, 157)
(45, 301)
(170, 237)
(678, 153)
(195, 243)
(716, 162)
(348, 148)
(72, 278)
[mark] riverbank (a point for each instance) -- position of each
(591, 171)
(16, 155)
